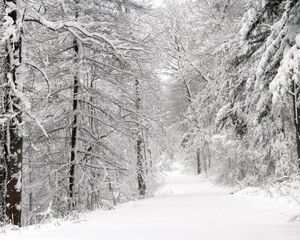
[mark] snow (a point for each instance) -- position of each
(288, 71)
(285, 189)
(18, 185)
(298, 40)
(186, 207)
(275, 45)
(247, 21)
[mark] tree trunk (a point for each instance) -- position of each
(146, 164)
(74, 124)
(139, 150)
(196, 124)
(209, 156)
(198, 161)
(140, 168)
(73, 141)
(12, 141)
(296, 109)
(3, 64)
(204, 156)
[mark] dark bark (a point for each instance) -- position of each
(74, 124)
(146, 165)
(12, 141)
(2, 163)
(139, 143)
(13, 157)
(140, 169)
(3, 174)
(296, 109)
(74, 129)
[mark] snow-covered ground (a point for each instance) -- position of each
(185, 208)
(287, 191)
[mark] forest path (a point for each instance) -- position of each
(185, 208)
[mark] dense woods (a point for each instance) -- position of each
(235, 64)
(98, 96)
(77, 122)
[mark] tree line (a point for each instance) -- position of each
(95, 94)
(78, 102)
(233, 88)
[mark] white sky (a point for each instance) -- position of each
(157, 3)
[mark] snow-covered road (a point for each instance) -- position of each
(186, 208)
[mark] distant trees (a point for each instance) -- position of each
(179, 46)
(196, 35)
(239, 59)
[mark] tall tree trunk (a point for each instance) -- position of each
(139, 150)
(3, 64)
(74, 124)
(146, 164)
(296, 109)
(198, 161)
(204, 160)
(74, 129)
(12, 141)
(196, 124)
(209, 156)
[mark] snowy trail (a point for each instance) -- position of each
(186, 208)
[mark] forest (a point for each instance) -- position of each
(99, 97)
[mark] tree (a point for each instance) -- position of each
(11, 129)
(276, 74)
(139, 150)
(74, 125)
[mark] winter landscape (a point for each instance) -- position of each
(150, 119)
